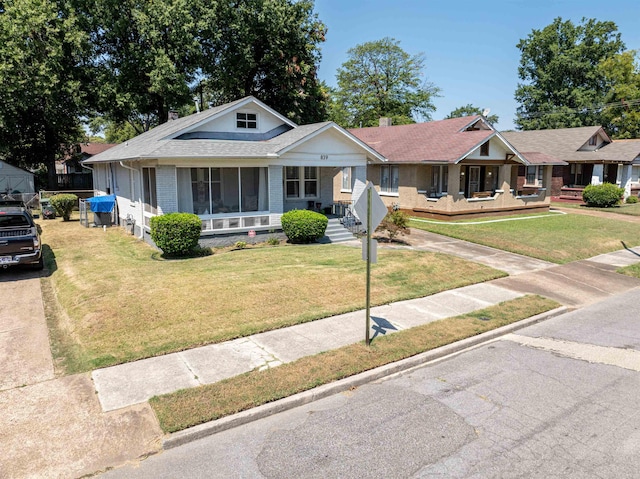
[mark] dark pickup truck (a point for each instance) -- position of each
(19, 238)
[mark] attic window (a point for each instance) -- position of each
(246, 120)
(484, 149)
(593, 141)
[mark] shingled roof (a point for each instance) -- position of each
(564, 143)
(434, 141)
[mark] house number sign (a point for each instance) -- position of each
(324, 157)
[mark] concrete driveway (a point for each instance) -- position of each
(54, 427)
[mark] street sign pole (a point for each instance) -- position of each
(367, 339)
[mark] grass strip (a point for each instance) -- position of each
(189, 407)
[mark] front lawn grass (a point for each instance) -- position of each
(119, 301)
(556, 238)
(622, 209)
(189, 407)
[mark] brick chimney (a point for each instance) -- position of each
(385, 121)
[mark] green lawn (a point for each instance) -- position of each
(111, 299)
(624, 209)
(557, 238)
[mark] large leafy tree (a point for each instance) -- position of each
(379, 80)
(266, 48)
(470, 110)
(42, 72)
(146, 55)
(621, 115)
(562, 85)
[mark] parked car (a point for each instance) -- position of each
(19, 238)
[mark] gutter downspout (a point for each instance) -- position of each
(139, 202)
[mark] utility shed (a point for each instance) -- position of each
(15, 180)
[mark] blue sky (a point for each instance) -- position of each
(469, 46)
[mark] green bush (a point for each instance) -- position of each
(241, 244)
(176, 234)
(632, 200)
(302, 226)
(394, 224)
(63, 204)
(602, 196)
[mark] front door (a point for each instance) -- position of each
(474, 180)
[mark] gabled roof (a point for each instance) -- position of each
(91, 149)
(162, 141)
(537, 158)
(624, 151)
(440, 141)
(562, 143)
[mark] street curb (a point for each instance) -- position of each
(213, 427)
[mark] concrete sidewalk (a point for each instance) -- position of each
(573, 284)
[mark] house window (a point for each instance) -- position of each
(576, 174)
(247, 120)
(484, 149)
(439, 180)
(149, 190)
(491, 178)
(534, 175)
(389, 179)
(205, 191)
(301, 182)
(593, 141)
(346, 179)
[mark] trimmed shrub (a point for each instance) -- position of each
(632, 200)
(602, 196)
(176, 234)
(394, 224)
(63, 204)
(302, 226)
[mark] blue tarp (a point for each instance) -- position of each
(102, 204)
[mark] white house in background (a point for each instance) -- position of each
(238, 166)
(15, 180)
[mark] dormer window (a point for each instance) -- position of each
(247, 120)
(484, 149)
(593, 141)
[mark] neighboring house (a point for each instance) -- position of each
(15, 180)
(70, 173)
(238, 166)
(592, 157)
(455, 168)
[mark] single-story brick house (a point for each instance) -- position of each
(238, 166)
(456, 168)
(592, 157)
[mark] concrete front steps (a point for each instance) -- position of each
(336, 232)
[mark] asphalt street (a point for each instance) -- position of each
(558, 399)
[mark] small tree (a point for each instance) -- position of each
(63, 204)
(394, 224)
(602, 196)
(176, 234)
(302, 226)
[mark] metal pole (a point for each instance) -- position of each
(367, 340)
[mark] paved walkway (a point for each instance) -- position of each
(126, 384)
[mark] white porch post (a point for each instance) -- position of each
(625, 179)
(597, 176)
(276, 190)
(360, 173)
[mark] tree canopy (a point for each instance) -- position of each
(562, 85)
(621, 114)
(470, 110)
(379, 80)
(43, 69)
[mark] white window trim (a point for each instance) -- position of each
(342, 188)
(246, 128)
(301, 184)
(384, 192)
(538, 182)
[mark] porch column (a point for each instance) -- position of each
(504, 178)
(360, 173)
(453, 182)
(276, 190)
(597, 177)
(625, 179)
(166, 190)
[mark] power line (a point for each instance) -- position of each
(596, 108)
